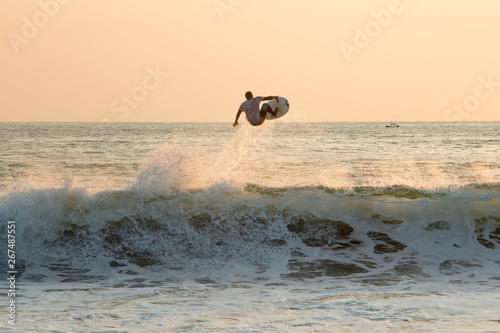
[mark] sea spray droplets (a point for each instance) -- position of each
(234, 152)
(171, 168)
(182, 168)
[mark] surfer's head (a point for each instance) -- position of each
(249, 95)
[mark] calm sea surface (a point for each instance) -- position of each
(302, 227)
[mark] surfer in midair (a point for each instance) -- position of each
(255, 116)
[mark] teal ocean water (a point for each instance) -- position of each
(305, 227)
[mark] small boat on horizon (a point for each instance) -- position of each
(393, 123)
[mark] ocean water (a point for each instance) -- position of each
(288, 227)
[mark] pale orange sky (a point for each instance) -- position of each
(180, 60)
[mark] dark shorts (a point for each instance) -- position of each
(261, 121)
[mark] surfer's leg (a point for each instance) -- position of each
(263, 112)
(267, 109)
(275, 112)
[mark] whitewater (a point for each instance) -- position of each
(300, 227)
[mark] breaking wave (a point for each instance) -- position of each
(304, 232)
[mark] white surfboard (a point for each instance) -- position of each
(282, 105)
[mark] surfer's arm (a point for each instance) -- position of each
(237, 117)
(268, 98)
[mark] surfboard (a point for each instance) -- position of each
(282, 105)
